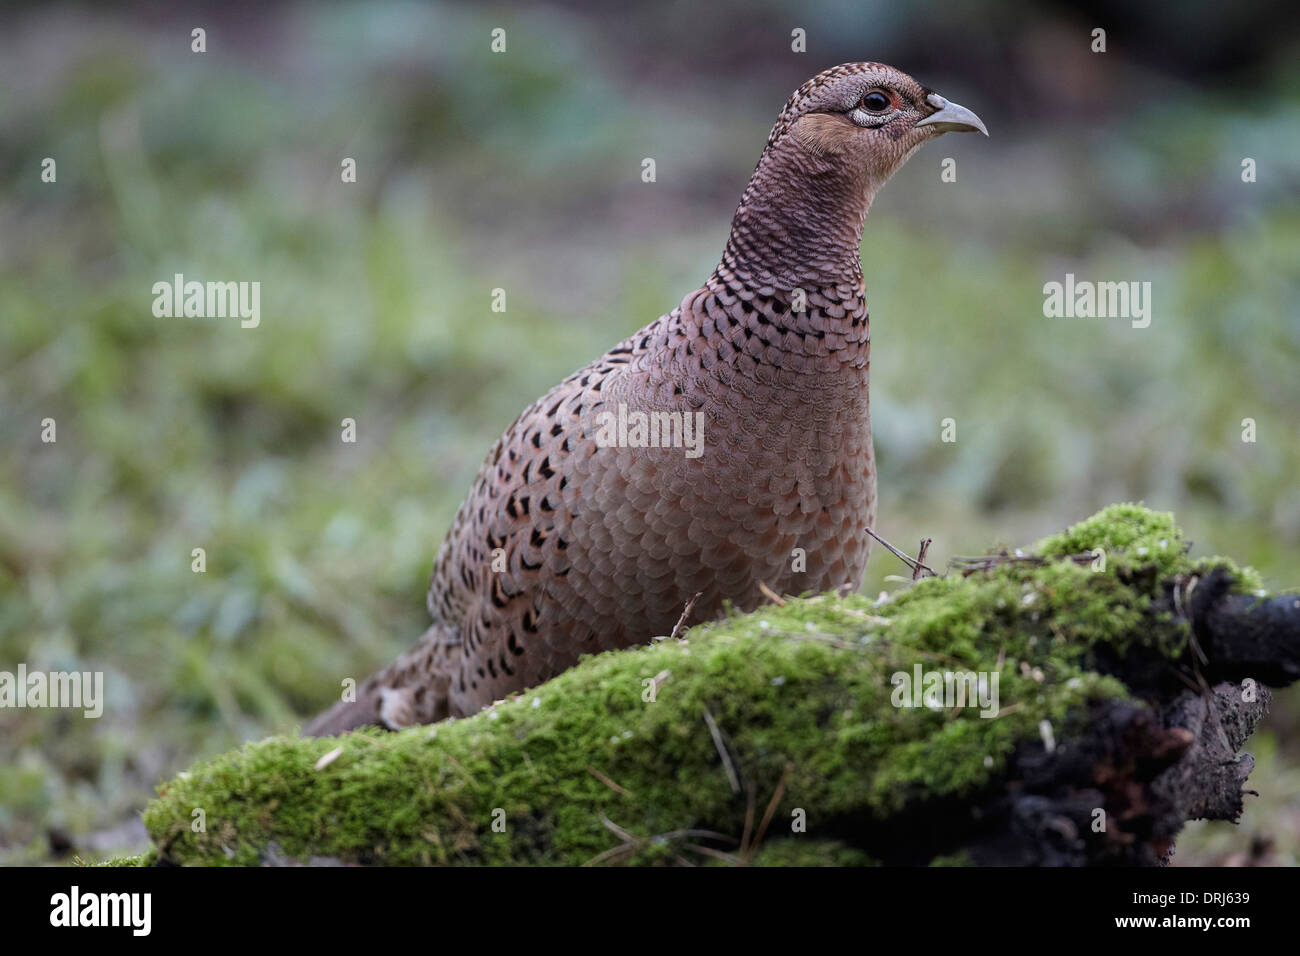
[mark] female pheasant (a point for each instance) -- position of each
(572, 542)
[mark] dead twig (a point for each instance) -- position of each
(686, 612)
(716, 854)
(1186, 615)
(969, 564)
(632, 843)
(914, 565)
(617, 830)
(771, 811)
(749, 820)
(722, 751)
(770, 594)
(607, 782)
(614, 852)
(920, 559)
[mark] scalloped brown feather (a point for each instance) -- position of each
(604, 546)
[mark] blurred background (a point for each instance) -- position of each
(522, 171)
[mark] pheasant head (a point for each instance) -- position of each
(838, 139)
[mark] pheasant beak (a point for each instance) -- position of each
(951, 117)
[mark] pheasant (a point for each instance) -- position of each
(581, 535)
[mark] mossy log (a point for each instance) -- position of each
(1125, 674)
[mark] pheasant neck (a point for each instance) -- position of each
(799, 222)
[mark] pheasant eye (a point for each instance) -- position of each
(875, 102)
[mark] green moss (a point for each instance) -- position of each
(1140, 541)
(587, 768)
(148, 858)
(1132, 536)
(793, 851)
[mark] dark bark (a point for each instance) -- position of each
(1119, 789)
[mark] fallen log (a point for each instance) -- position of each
(1074, 705)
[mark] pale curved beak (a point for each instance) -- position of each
(951, 117)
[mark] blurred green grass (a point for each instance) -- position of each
(522, 172)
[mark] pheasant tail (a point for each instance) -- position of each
(414, 689)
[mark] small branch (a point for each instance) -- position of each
(915, 566)
(614, 852)
(770, 594)
(969, 564)
(686, 612)
(607, 782)
(632, 843)
(716, 854)
(920, 559)
(771, 811)
(722, 751)
(749, 820)
(617, 830)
